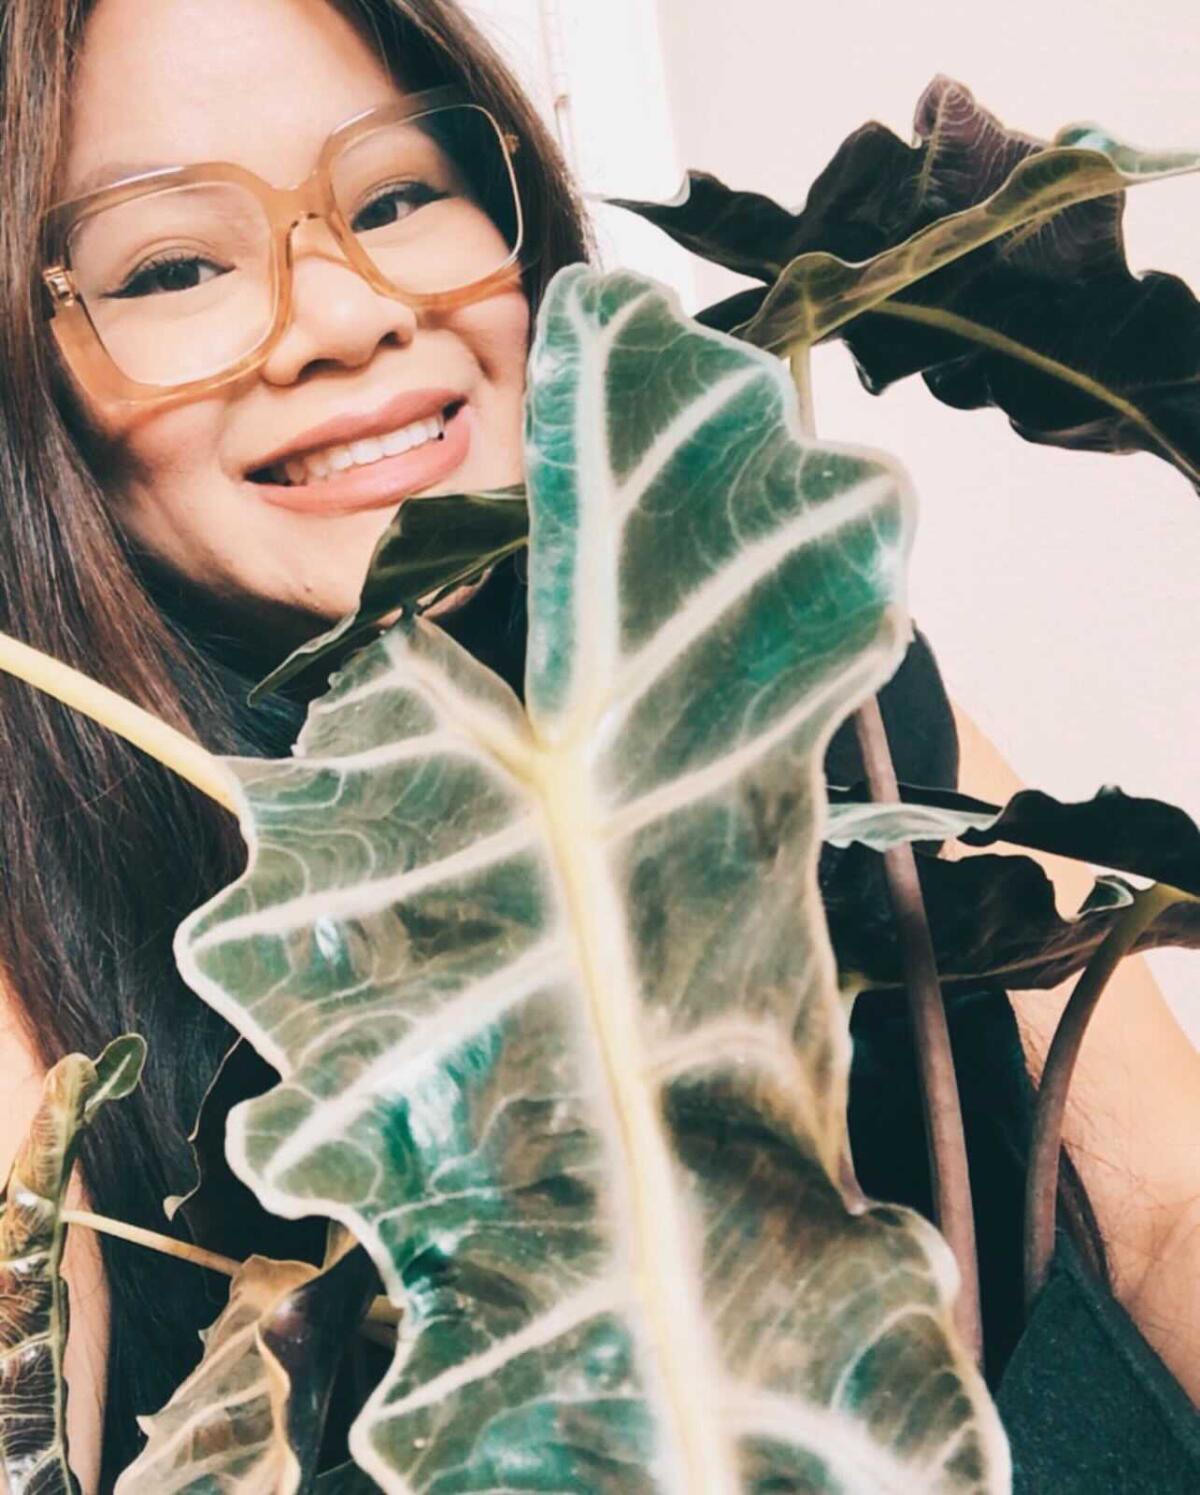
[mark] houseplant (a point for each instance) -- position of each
(552, 989)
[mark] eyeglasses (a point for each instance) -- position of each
(173, 282)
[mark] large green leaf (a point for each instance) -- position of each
(251, 1415)
(991, 262)
(33, 1296)
(552, 995)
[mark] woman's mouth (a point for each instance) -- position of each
(372, 473)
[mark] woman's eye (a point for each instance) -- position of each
(163, 276)
(392, 204)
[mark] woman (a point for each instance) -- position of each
(104, 854)
(157, 548)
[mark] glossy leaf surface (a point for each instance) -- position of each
(988, 261)
(552, 995)
(33, 1297)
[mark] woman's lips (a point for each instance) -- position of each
(382, 484)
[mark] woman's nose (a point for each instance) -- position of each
(336, 318)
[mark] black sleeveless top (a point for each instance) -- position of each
(1088, 1405)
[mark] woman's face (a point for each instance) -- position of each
(262, 83)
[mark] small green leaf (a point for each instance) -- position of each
(33, 1296)
(882, 826)
(742, 231)
(1129, 833)
(251, 1416)
(432, 545)
(118, 1072)
(1145, 837)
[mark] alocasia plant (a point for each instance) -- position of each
(551, 986)
(1130, 834)
(551, 994)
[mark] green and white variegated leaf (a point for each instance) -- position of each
(33, 1296)
(882, 826)
(552, 994)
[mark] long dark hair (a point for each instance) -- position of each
(103, 852)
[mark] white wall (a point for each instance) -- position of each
(599, 72)
(1059, 588)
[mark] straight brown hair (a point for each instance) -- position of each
(102, 851)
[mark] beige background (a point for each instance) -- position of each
(1059, 588)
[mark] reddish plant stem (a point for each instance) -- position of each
(944, 1137)
(1041, 1178)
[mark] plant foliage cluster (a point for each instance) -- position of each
(555, 989)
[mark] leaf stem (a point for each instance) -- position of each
(383, 1314)
(143, 729)
(800, 363)
(944, 1136)
(1041, 1179)
(153, 1241)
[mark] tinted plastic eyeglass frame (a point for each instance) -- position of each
(285, 208)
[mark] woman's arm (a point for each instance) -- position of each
(87, 1343)
(1133, 1114)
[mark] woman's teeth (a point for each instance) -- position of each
(313, 467)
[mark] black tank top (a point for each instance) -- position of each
(1088, 1405)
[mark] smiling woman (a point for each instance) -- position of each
(286, 343)
(270, 271)
(149, 547)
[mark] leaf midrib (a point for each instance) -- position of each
(664, 1272)
(978, 332)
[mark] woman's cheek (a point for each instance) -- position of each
(497, 331)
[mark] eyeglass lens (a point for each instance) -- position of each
(179, 282)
